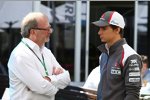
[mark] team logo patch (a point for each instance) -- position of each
(133, 62)
(116, 71)
(134, 74)
(134, 69)
(134, 79)
(114, 22)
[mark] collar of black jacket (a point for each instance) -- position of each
(103, 47)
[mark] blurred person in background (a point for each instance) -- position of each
(34, 73)
(145, 72)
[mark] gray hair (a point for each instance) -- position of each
(25, 29)
(29, 22)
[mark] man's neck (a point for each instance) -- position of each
(37, 42)
(113, 41)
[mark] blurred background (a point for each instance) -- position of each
(74, 40)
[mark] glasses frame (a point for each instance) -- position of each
(45, 29)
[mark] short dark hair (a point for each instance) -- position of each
(121, 30)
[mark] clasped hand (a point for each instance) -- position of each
(56, 71)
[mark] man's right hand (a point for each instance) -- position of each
(57, 70)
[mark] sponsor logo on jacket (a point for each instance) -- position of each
(116, 71)
(133, 62)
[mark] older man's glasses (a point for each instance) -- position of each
(45, 29)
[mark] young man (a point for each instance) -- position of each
(120, 64)
(34, 73)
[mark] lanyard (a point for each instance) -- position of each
(42, 62)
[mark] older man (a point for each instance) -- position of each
(34, 72)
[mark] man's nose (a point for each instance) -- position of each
(99, 32)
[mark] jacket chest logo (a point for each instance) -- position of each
(115, 71)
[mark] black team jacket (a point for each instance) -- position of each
(120, 68)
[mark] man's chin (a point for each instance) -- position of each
(47, 40)
(102, 40)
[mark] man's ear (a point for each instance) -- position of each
(117, 30)
(31, 33)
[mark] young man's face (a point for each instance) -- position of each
(107, 34)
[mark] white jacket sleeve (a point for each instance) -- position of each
(61, 80)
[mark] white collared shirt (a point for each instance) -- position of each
(26, 73)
